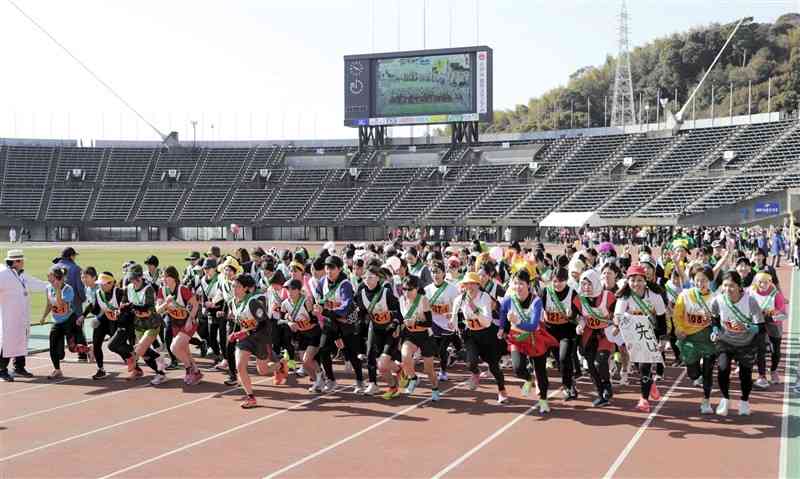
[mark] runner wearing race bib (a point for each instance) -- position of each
(692, 320)
(417, 335)
(520, 316)
(177, 302)
(296, 312)
(378, 306)
(473, 308)
(737, 321)
(773, 307)
(107, 313)
(60, 297)
(560, 317)
(441, 295)
(636, 298)
(140, 298)
(595, 306)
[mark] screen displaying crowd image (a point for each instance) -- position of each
(428, 85)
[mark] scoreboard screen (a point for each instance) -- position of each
(419, 88)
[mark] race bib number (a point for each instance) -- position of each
(303, 324)
(697, 320)
(382, 318)
(553, 317)
(440, 309)
(595, 323)
(474, 325)
(60, 310)
(734, 326)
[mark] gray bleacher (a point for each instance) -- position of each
(633, 196)
(330, 203)
(114, 204)
(537, 205)
(289, 202)
(679, 197)
(27, 165)
(736, 189)
(184, 161)
(591, 155)
(68, 203)
(690, 153)
(457, 202)
(246, 204)
(595, 193)
(159, 204)
(781, 156)
(643, 151)
(499, 201)
(202, 204)
(21, 202)
(127, 167)
(86, 159)
(751, 139)
(220, 167)
(374, 200)
(416, 201)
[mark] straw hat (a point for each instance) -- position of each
(15, 255)
(471, 278)
(230, 261)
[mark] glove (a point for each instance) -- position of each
(237, 336)
(752, 329)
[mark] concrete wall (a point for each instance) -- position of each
(316, 162)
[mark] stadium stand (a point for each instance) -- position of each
(484, 183)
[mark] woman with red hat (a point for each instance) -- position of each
(638, 298)
(596, 306)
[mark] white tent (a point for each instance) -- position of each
(572, 220)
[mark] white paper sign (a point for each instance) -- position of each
(640, 339)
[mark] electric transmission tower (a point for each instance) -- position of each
(623, 110)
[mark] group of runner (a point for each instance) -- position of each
(390, 306)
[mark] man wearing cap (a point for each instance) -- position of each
(193, 271)
(15, 288)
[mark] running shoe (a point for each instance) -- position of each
(435, 395)
(451, 360)
(744, 408)
(705, 407)
(506, 363)
(316, 387)
(159, 378)
(249, 402)
(402, 380)
(776, 378)
(659, 377)
(623, 379)
(473, 382)
(22, 372)
(698, 383)
(526, 388)
(100, 374)
(281, 373)
(502, 398)
(359, 388)
(442, 376)
(195, 378)
(654, 394)
(572, 394)
(161, 363)
(230, 381)
(761, 383)
(412, 385)
(300, 372)
(722, 407)
(55, 374)
(372, 389)
(135, 374)
(551, 363)
(187, 377)
(222, 365)
(544, 407)
(330, 386)
(391, 393)
(643, 406)
(6, 377)
(601, 401)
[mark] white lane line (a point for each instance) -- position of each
(219, 434)
(74, 403)
(783, 456)
(489, 439)
(121, 423)
(356, 434)
(628, 448)
(9, 393)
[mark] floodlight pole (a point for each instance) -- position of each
(678, 118)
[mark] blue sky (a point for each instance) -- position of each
(270, 69)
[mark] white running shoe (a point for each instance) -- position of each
(698, 383)
(329, 386)
(372, 389)
(316, 386)
(722, 407)
(744, 408)
(442, 376)
(502, 398)
(158, 379)
(705, 407)
(359, 388)
(161, 364)
(222, 365)
(761, 383)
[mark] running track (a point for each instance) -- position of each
(76, 427)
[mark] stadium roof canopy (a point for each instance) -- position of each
(573, 219)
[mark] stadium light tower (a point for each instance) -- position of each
(623, 111)
(677, 119)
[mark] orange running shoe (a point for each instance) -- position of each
(654, 394)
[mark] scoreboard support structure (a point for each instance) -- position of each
(376, 135)
(464, 132)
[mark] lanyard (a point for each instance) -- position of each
(646, 308)
(296, 308)
(554, 299)
(413, 309)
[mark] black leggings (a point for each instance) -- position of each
(282, 340)
(598, 366)
(645, 378)
(482, 345)
(103, 329)
(566, 350)
(724, 376)
(218, 336)
(775, 355)
(694, 371)
(521, 362)
(324, 357)
(444, 341)
(230, 354)
(120, 341)
(66, 330)
(352, 348)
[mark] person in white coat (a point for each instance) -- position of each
(15, 288)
